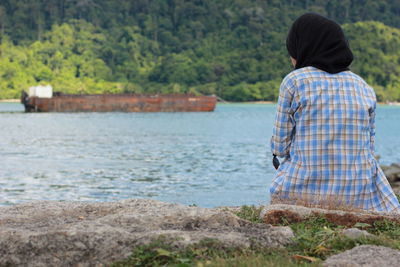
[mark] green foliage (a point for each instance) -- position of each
(66, 58)
(233, 48)
(376, 50)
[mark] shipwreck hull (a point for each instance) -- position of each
(120, 103)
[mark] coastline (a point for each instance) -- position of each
(257, 102)
(389, 103)
(10, 100)
(225, 102)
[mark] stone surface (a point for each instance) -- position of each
(90, 234)
(279, 213)
(365, 256)
(355, 233)
(396, 188)
(392, 172)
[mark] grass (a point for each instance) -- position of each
(250, 213)
(206, 253)
(315, 240)
(316, 237)
(162, 253)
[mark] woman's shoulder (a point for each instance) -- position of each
(293, 77)
(359, 82)
(314, 74)
(351, 75)
(303, 74)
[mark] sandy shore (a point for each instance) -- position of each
(258, 102)
(10, 100)
(391, 103)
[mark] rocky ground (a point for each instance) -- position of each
(89, 234)
(367, 256)
(53, 233)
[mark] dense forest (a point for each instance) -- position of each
(232, 48)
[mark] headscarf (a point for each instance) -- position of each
(314, 40)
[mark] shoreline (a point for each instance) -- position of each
(389, 103)
(10, 100)
(225, 102)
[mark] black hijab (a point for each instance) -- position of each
(314, 40)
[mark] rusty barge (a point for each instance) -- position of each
(57, 102)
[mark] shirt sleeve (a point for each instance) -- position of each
(284, 126)
(372, 128)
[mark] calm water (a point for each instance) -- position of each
(208, 159)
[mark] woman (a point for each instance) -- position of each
(324, 125)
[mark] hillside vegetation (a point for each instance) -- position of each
(232, 48)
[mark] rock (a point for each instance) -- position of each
(50, 233)
(279, 213)
(392, 172)
(365, 256)
(396, 188)
(355, 233)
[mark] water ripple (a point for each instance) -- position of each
(208, 159)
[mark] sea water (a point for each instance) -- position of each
(207, 159)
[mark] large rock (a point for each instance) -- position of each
(365, 256)
(88, 234)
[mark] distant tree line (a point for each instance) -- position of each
(232, 48)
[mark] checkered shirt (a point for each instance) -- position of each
(324, 129)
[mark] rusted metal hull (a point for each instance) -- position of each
(121, 103)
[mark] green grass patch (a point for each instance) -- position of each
(316, 237)
(387, 229)
(250, 213)
(207, 253)
(162, 253)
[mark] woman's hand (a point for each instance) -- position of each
(275, 162)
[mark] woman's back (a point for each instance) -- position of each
(325, 128)
(333, 122)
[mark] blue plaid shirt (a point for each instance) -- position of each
(324, 128)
